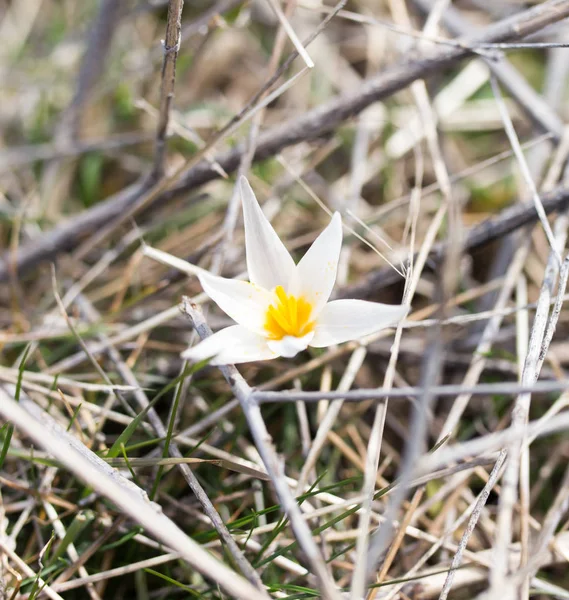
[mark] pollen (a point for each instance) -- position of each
(288, 315)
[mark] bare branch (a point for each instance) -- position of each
(171, 49)
(312, 124)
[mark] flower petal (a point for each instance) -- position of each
(289, 345)
(268, 262)
(316, 272)
(231, 345)
(344, 320)
(244, 302)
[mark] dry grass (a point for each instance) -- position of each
(126, 473)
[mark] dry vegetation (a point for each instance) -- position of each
(126, 473)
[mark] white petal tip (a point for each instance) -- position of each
(207, 281)
(212, 361)
(245, 187)
(187, 354)
(193, 356)
(289, 345)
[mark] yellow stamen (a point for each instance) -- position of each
(281, 294)
(288, 315)
(293, 312)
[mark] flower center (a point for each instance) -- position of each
(289, 315)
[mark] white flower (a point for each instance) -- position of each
(284, 308)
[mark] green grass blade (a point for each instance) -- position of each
(9, 430)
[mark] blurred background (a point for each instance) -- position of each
(118, 127)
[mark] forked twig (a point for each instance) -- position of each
(273, 464)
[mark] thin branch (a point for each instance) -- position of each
(361, 395)
(554, 317)
(515, 143)
(171, 48)
(22, 155)
(285, 24)
(480, 503)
